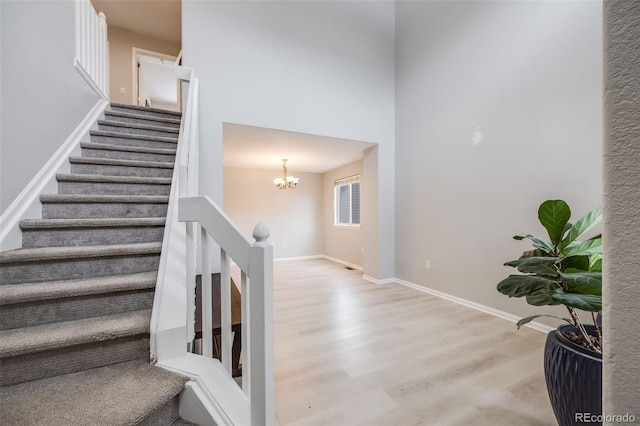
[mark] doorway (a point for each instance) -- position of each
(154, 82)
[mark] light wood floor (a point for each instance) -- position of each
(350, 352)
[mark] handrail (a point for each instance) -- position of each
(172, 319)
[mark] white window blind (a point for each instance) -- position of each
(347, 201)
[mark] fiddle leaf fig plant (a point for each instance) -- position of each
(561, 270)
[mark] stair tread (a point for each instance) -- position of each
(63, 177)
(117, 162)
(45, 254)
(141, 117)
(49, 290)
(48, 337)
(137, 136)
(143, 108)
(91, 222)
(123, 124)
(118, 394)
(91, 198)
(127, 148)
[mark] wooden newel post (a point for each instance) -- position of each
(261, 388)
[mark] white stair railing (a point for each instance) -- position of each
(91, 57)
(172, 321)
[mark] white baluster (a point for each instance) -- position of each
(207, 311)
(191, 283)
(245, 290)
(225, 310)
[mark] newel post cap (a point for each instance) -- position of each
(261, 233)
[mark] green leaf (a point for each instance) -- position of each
(580, 263)
(595, 263)
(536, 265)
(543, 245)
(590, 246)
(586, 302)
(583, 282)
(554, 215)
(526, 320)
(543, 297)
(587, 222)
(522, 285)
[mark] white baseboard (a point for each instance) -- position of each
(285, 259)
(473, 305)
(343, 262)
(377, 281)
(27, 204)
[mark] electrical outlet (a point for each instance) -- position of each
(122, 90)
(427, 264)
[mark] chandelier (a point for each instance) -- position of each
(285, 181)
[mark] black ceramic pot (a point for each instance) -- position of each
(574, 379)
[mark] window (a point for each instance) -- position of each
(347, 201)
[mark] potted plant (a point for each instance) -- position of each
(566, 271)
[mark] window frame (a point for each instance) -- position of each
(340, 183)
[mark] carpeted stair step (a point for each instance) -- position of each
(112, 167)
(131, 139)
(29, 304)
(121, 394)
(103, 150)
(112, 185)
(55, 206)
(90, 232)
(138, 129)
(48, 350)
(68, 263)
(133, 117)
(182, 422)
(146, 111)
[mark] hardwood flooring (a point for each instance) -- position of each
(350, 352)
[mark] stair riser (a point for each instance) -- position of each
(99, 169)
(124, 155)
(165, 414)
(149, 122)
(101, 210)
(36, 238)
(23, 368)
(112, 140)
(109, 188)
(73, 308)
(70, 269)
(136, 131)
(144, 112)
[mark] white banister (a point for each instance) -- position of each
(91, 47)
(173, 319)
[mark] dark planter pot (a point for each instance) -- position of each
(574, 379)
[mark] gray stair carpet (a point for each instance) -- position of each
(76, 299)
(128, 393)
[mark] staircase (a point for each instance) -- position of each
(76, 299)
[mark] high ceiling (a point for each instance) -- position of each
(156, 18)
(244, 146)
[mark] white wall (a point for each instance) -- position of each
(621, 357)
(294, 216)
(43, 97)
(529, 75)
(341, 242)
(324, 68)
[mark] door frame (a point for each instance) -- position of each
(135, 51)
